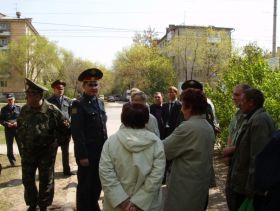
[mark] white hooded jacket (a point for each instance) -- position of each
(131, 166)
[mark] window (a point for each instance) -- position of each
(4, 26)
(214, 38)
(4, 42)
(3, 83)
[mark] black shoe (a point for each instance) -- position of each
(31, 208)
(43, 208)
(69, 173)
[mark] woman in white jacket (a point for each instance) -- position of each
(132, 164)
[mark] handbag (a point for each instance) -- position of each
(247, 205)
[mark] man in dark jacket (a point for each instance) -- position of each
(88, 126)
(64, 104)
(8, 118)
(267, 173)
(252, 139)
(156, 110)
(171, 111)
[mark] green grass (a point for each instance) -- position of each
(2, 135)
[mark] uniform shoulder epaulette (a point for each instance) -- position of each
(51, 106)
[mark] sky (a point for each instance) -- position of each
(97, 30)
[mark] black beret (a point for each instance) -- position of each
(33, 86)
(58, 82)
(92, 74)
(192, 84)
(10, 95)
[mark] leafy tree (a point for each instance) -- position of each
(250, 68)
(33, 57)
(4, 66)
(199, 54)
(147, 38)
(143, 67)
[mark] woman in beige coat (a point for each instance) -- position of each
(190, 147)
(132, 164)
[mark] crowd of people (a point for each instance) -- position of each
(165, 144)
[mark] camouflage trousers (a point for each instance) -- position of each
(43, 159)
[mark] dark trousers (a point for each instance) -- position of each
(42, 159)
(10, 135)
(65, 156)
(234, 199)
(89, 187)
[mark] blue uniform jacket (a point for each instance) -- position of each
(64, 106)
(9, 114)
(88, 127)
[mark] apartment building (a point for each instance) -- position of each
(196, 51)
(12, 29)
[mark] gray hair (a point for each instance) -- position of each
(142, 95)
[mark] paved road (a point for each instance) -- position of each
(11, 189)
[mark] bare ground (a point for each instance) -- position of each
(11, 188)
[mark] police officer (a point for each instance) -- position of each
(8, 118)
(39, 125)
(64, 104)
(88, 126)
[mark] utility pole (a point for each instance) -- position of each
(274, 29)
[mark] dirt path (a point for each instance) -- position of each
(217, 200)
(11, 188)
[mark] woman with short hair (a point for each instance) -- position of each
(190, 147)
(132, 164)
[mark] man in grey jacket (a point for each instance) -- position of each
(253, 137)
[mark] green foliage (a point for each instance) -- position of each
(248, 68)
(34, 54)
(143, 67)
(4, 65)
(199, 53)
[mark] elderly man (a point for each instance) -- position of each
(236, 122)
(39, 125)
(8, 118)
(152, 125)
(88, 126)
(64, 104)
(251, 140)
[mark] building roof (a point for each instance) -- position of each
(172, 27)
(28, 21)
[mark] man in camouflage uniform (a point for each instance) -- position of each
(39, 125)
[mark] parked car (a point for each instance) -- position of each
(117, 97)
(111, 99)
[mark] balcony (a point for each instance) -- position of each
(5, 33)
(4, 47)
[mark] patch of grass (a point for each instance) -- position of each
(4, 205)
(2, 136)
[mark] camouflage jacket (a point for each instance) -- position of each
(40, 128)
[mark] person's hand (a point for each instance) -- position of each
(66, 123)
(228, 151)
(132, 207)
(15, 124)
(84, 162)
(124, 204)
